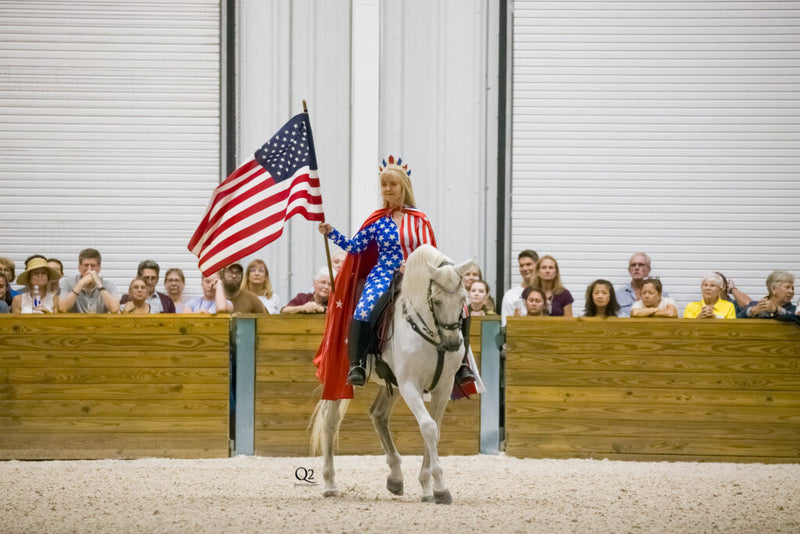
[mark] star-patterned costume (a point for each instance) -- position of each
(374, 253)
(386, 235)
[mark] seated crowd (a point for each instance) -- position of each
(43, 288)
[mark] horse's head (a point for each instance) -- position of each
(446, 297)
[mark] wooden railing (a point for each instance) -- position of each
(653, 389)
(102, 386)
(286, 392)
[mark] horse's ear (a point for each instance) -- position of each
(432, 270)
(464, 267)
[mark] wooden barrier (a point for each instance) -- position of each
(653, 389)
(103, 386)
(286, 393)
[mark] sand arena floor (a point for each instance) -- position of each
(491, 494)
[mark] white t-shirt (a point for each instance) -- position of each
(665, 301)
(512, 300)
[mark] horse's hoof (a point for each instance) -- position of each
(330, 493)
(394, 486)
(427, 498)
(442, 497)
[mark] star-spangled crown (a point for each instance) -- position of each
(392, 163)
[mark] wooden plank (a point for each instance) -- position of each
(524, 395)
(131, 424)
(363, 441)
(114, 375)
(146, 392)
(91, 325)
(606, 330)
(662, 457)
(277, 422)
(647, 380)
(142, 357)
(120, 409)
(297, 324)
(687, 429)
(287, 342)
(521, 414)
(89, 446)
(675, 447)
(78, 342)
(656, 354)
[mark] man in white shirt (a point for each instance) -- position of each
(512, 300)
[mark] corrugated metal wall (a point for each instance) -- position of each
(435, 110)
(109, 130)
(669, 127)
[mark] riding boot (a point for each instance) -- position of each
(464, 375)
(357, 347)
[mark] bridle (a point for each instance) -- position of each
(418, 324)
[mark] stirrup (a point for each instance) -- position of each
(357, 376)
(464, 375)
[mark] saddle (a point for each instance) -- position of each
(380, 322)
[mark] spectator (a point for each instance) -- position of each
(8, 268)
(639, 268)
(316, 302)
(512, 303)
(39, 297)
(243, 300)
(56, 264)
(780, 292)
(712, 306)
(138, 294)
(479, 300)
(535, 302)
(213, 299)
(5, 294)
(601, 301)
(651, 303)
(174, 284)
(734, 295)
(148, 271)
(473, 273)
(87, 292)
(548, 278)
(336, 263)
(258, 283)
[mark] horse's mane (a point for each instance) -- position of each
(417, 277)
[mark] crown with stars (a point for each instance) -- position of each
(397, 164)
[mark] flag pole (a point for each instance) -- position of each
(325, 237)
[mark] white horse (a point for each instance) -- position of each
(426, 342)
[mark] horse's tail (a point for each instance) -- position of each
(325, 420)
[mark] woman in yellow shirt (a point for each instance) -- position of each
(712, 306)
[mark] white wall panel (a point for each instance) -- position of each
(433, 74)
(109, 130)
(670, 127)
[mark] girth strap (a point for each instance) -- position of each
(439, 366)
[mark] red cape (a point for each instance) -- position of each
(332, 359)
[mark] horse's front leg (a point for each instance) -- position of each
(332, 419)
(439, 400)
(380, 412)
(430, 435)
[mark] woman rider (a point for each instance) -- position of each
(379, 248)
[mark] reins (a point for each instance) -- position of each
(418, 325)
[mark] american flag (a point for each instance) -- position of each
(249, 209)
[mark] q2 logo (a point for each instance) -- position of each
(306, 475)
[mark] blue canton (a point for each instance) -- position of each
(386, 235)
(289, 150)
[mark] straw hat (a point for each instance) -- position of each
(37, 263)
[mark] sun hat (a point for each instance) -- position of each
(37, 263)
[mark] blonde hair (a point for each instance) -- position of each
(266, 289)
(558, 287)
(405, 182)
